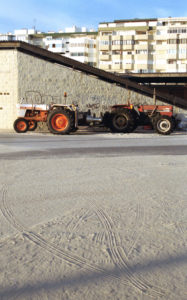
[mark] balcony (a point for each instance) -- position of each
(141, 37)
(104, 47)
(161, 47)
(104, 57)
(171, 68)
(183, 56)
(141, 66)
(103, 67)
(161, 37)
(171, 55)
(116, 38)
(128, 66)
(172, 36)
(128, 47)
(116, 57)
(116, 67)
(104, 38)
(161, 67)
(141, 57)
(182, 68)
(127, 56)
(141, 47)
(128, 37)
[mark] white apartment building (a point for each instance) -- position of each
(143, 45)
(18, 35)
(170, 53)
(78, 47)
(137, 45)
(77, 43)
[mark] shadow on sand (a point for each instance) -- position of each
(84, 278)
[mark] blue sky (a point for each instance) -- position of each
(55, 15)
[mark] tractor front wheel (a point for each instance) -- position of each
(164, 125)
(21, 125)
(60, 122)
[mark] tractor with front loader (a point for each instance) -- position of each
(124, 118)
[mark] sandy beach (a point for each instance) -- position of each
(99, 226)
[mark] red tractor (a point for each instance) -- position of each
(126, 118)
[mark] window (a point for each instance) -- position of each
(104, 43)
(141, 51)
(79, 54)
(116, 52)
(142, 71)
(117, 42)
(172, 41)
(78, 45)
(171, 61)
(106, 33)
(171, 51)
(177, 30)
(123, 42)
(105, 53)
(177, 41)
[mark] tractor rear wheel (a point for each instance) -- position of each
(164, 125)
(122, 121)
(60, 121)
(21, 125)
(32, 125)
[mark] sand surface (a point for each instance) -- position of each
(93, 227)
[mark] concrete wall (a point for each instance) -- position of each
(39, 79)
(8, 87)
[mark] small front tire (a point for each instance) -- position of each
(21, 125)
(164, 125)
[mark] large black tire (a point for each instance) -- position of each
(32, 125)
(21, 125)
(163, 125)
(122, 121)
(60, 121)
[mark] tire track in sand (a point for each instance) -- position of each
(78, 218)
(50, 247)
(139, 224)
(117, 254)
(120, 259)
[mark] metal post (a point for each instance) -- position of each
(129, 97)
(65, 96)
(154, 96)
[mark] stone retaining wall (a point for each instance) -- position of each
(37, 80)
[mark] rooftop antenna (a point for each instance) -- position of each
(34, 23)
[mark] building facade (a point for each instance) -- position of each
(143, 45)
(77, 43)
(134, 46)
(81, 47)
